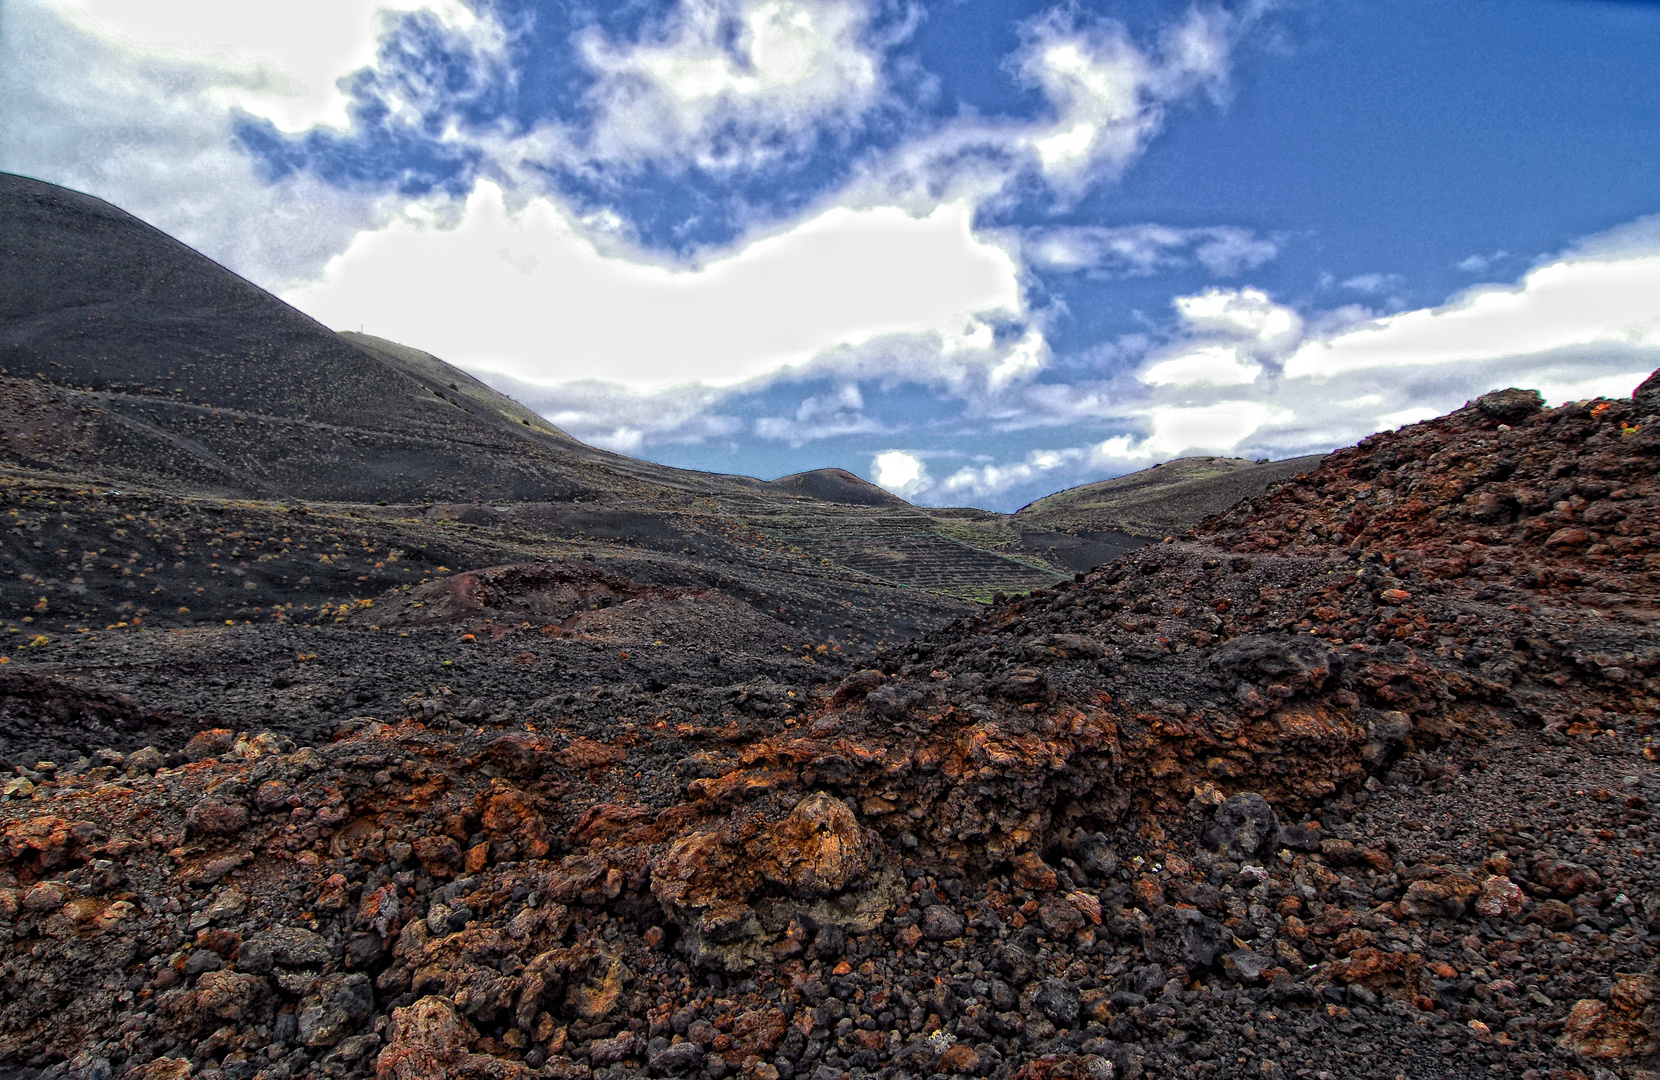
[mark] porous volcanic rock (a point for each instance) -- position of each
(1353, 780)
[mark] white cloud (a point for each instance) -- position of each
(1221, 427)
(837, 278)
(612, 416)
(1245, 375)
(1109, 95)
(1204, 365)
(1476, 264)
(1373, 284)
(1240, 313)
(1575, 301)
(289, 56)
(1141, 250)
(152, 133)
(138, 102)
(901, 473)
(1230, 251)
(980, 481)
(821, 416)
(730, 83)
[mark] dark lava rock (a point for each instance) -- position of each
(1243, 827)
(940, 923)
(1256, 658)
(1647, 395)
(283, 946)
(1513, 404)
(1059, 1002)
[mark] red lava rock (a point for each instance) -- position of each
(1031, 872)
(584, 753)
(820, 848)
(214, 817)
(1568, 538)
(1500, 898)
(206, 744)
(857, 685)
(1375, 733)
(960, 1059)
(1566, 879)
(48, 896)
(1624, 1026)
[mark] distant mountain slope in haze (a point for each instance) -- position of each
(1165, 499)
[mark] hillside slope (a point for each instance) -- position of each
(132, 366)
(1165, 499)
(125, 351)
(1354, 780)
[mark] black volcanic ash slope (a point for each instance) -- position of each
(127, 352)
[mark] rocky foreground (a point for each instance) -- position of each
(1352, 781)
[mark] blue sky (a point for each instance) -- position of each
(976, 252)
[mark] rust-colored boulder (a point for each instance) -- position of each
(1444, 897)
(584, 753)
(439, 854)
(820, 847)
(206, 744)
(1391, 973)
(1031, 872)
(1500, 897)
(702, 876)
(1623, 1026)
(1566, 879)
(216, 817)
(229, 994)
(758, 1031)
(598, 996)
(428, 1041)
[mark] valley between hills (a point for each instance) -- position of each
(359, 722)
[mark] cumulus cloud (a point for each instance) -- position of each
(1582, 324)
(1477, 264)
(1108, 94)
(821, 416)
(900, 472)
(139, 103)
(1243, 374)
(1143, 250)
(293, 56)
(838, 279)
(1577, 301)
(730, 83)
(615, 417)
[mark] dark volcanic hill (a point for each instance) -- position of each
(128, 353)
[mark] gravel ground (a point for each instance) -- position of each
(1355, 780)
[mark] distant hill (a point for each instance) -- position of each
(1163, 500)
(838, 486)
